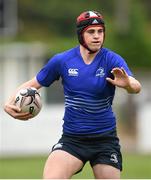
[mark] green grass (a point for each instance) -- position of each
(134, 166)
(22, 168)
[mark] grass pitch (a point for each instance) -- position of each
(135, 166)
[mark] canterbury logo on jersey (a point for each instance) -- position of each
(73, 72)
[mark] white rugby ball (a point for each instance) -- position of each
(29, 100)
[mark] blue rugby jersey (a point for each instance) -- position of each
(88, 96)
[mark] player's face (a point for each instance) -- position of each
(94, 37)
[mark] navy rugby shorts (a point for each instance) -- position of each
(97, 149)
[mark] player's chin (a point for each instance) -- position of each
(95, 47)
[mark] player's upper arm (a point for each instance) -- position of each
(36, 83)
(50, 72)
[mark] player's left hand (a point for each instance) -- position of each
(121, 78)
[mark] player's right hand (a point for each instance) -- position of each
(16, 113)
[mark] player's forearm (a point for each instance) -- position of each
(134, 86)
(31, 83)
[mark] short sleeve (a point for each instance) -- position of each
(50, 72)
(117, 61)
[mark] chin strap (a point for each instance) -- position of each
(90, 51)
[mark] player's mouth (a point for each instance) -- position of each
(96, 42)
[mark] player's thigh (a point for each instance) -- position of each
(103, 171)
(60, 164)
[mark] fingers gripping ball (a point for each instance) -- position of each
(29, 100)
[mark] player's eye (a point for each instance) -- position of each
(91, 31)
(100, 31)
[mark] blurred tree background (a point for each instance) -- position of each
(53, 22)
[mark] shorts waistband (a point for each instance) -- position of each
(91, 136)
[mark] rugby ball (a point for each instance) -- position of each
(29, 100)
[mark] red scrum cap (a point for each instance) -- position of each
(86, 19)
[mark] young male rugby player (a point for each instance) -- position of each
(90, 73)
